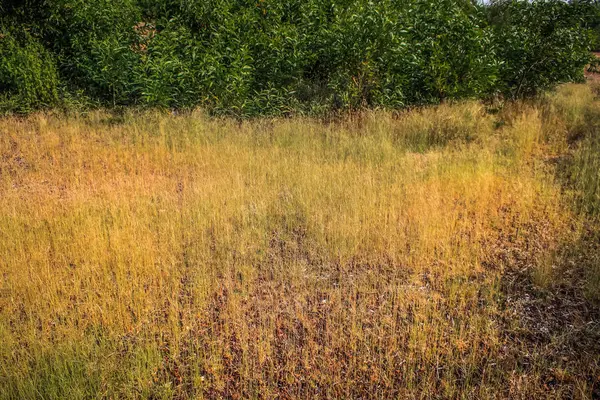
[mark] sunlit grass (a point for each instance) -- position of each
(181, 256)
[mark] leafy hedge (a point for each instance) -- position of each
(250, 57)
(28, 74)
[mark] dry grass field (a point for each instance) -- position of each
(445, 252)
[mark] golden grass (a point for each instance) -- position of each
(160, 256)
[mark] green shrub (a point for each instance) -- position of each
(540, 44)
(283, 56)
(95, 43)
(28, 76)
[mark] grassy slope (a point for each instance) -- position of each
(444, 252)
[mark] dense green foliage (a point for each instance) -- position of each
(538, 45)
(28, 76)
(272, 56)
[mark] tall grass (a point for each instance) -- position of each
(160, 256)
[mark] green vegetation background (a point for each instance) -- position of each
(250, 57)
